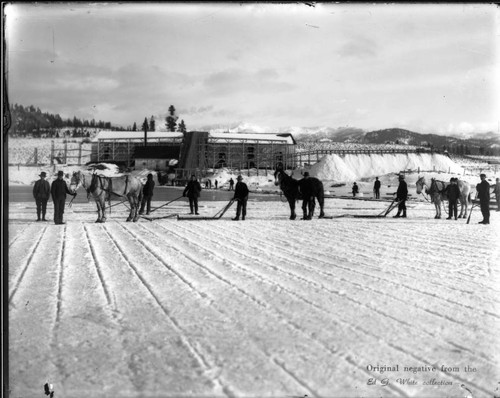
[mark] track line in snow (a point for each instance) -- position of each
(355, 327)
(25, 268)
(200, 358)
(309, 281)
(380, 278)
(100, 275)
(18, 236)
(229, 317)
(297, 379)
(314, 260)
(279, 314)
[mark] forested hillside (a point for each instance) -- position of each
(30, 121)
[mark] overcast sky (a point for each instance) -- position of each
(427, 68)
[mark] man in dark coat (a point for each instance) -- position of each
(58, 191)
(355, 190)
(147, 194)
(401, 196)
(231, 184)
(376, 188)
(452, 191)
(192, 191)
(483, 193)
(241, 195)
(41, 193)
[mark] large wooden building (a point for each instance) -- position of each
(194, 151)
(125, 147)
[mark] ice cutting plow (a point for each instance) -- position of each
(217, 215)
(383, 214)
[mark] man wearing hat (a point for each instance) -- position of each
(192, 191)
(241, 195)
(58, 190)
(41, 193)
(483, 193)
(401, 196)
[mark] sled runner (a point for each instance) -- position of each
(383, 214)
(217, 215)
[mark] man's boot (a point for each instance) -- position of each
(404, 214)
(397, 215)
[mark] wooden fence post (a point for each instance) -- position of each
(52, 152)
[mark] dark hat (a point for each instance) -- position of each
(60, 173)
(43, 174)
(482, 175)
(239, 177)
(306, 174)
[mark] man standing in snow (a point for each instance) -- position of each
(41, 193)
(147, 194)
(483, 193)
(496, 191)
(401, 196)
(453, 193)
(241, 195)
(231, 184)
(376, 188)
(192, 191)
(355, 190)
(58, 190)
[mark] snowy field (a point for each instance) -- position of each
(268, 307)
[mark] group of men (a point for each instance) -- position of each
(193, 191)
(43, 191)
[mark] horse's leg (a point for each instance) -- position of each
(135, 207)
(312, 205)
(321, 201)
(291, 202)
(98, 204)
(103, 204)
(304, 208)
(131, 213)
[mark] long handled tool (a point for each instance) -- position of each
(383, 214)
(166, 204)
(472, 208)
(217, 215)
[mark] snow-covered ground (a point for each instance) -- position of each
(268, 307)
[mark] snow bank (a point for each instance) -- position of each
(352, 167)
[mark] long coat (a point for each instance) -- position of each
(453, 192)
(241, 191)
(483, 191)
(41, 190)
(148, 188)
(402, 192)
(59, 189)
(192, 190)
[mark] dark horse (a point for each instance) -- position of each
(308, 189)
(101, 188)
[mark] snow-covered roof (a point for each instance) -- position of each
(252, 137)
(135, 135)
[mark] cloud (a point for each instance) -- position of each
(231, 81)
(359, 47)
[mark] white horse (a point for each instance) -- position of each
(101, 188)
(436, 191)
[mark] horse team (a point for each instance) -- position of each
(308, 189)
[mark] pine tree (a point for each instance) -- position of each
(152, 124)
(171, 119)
(182, 127)
(145, 125)
(134, 127)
